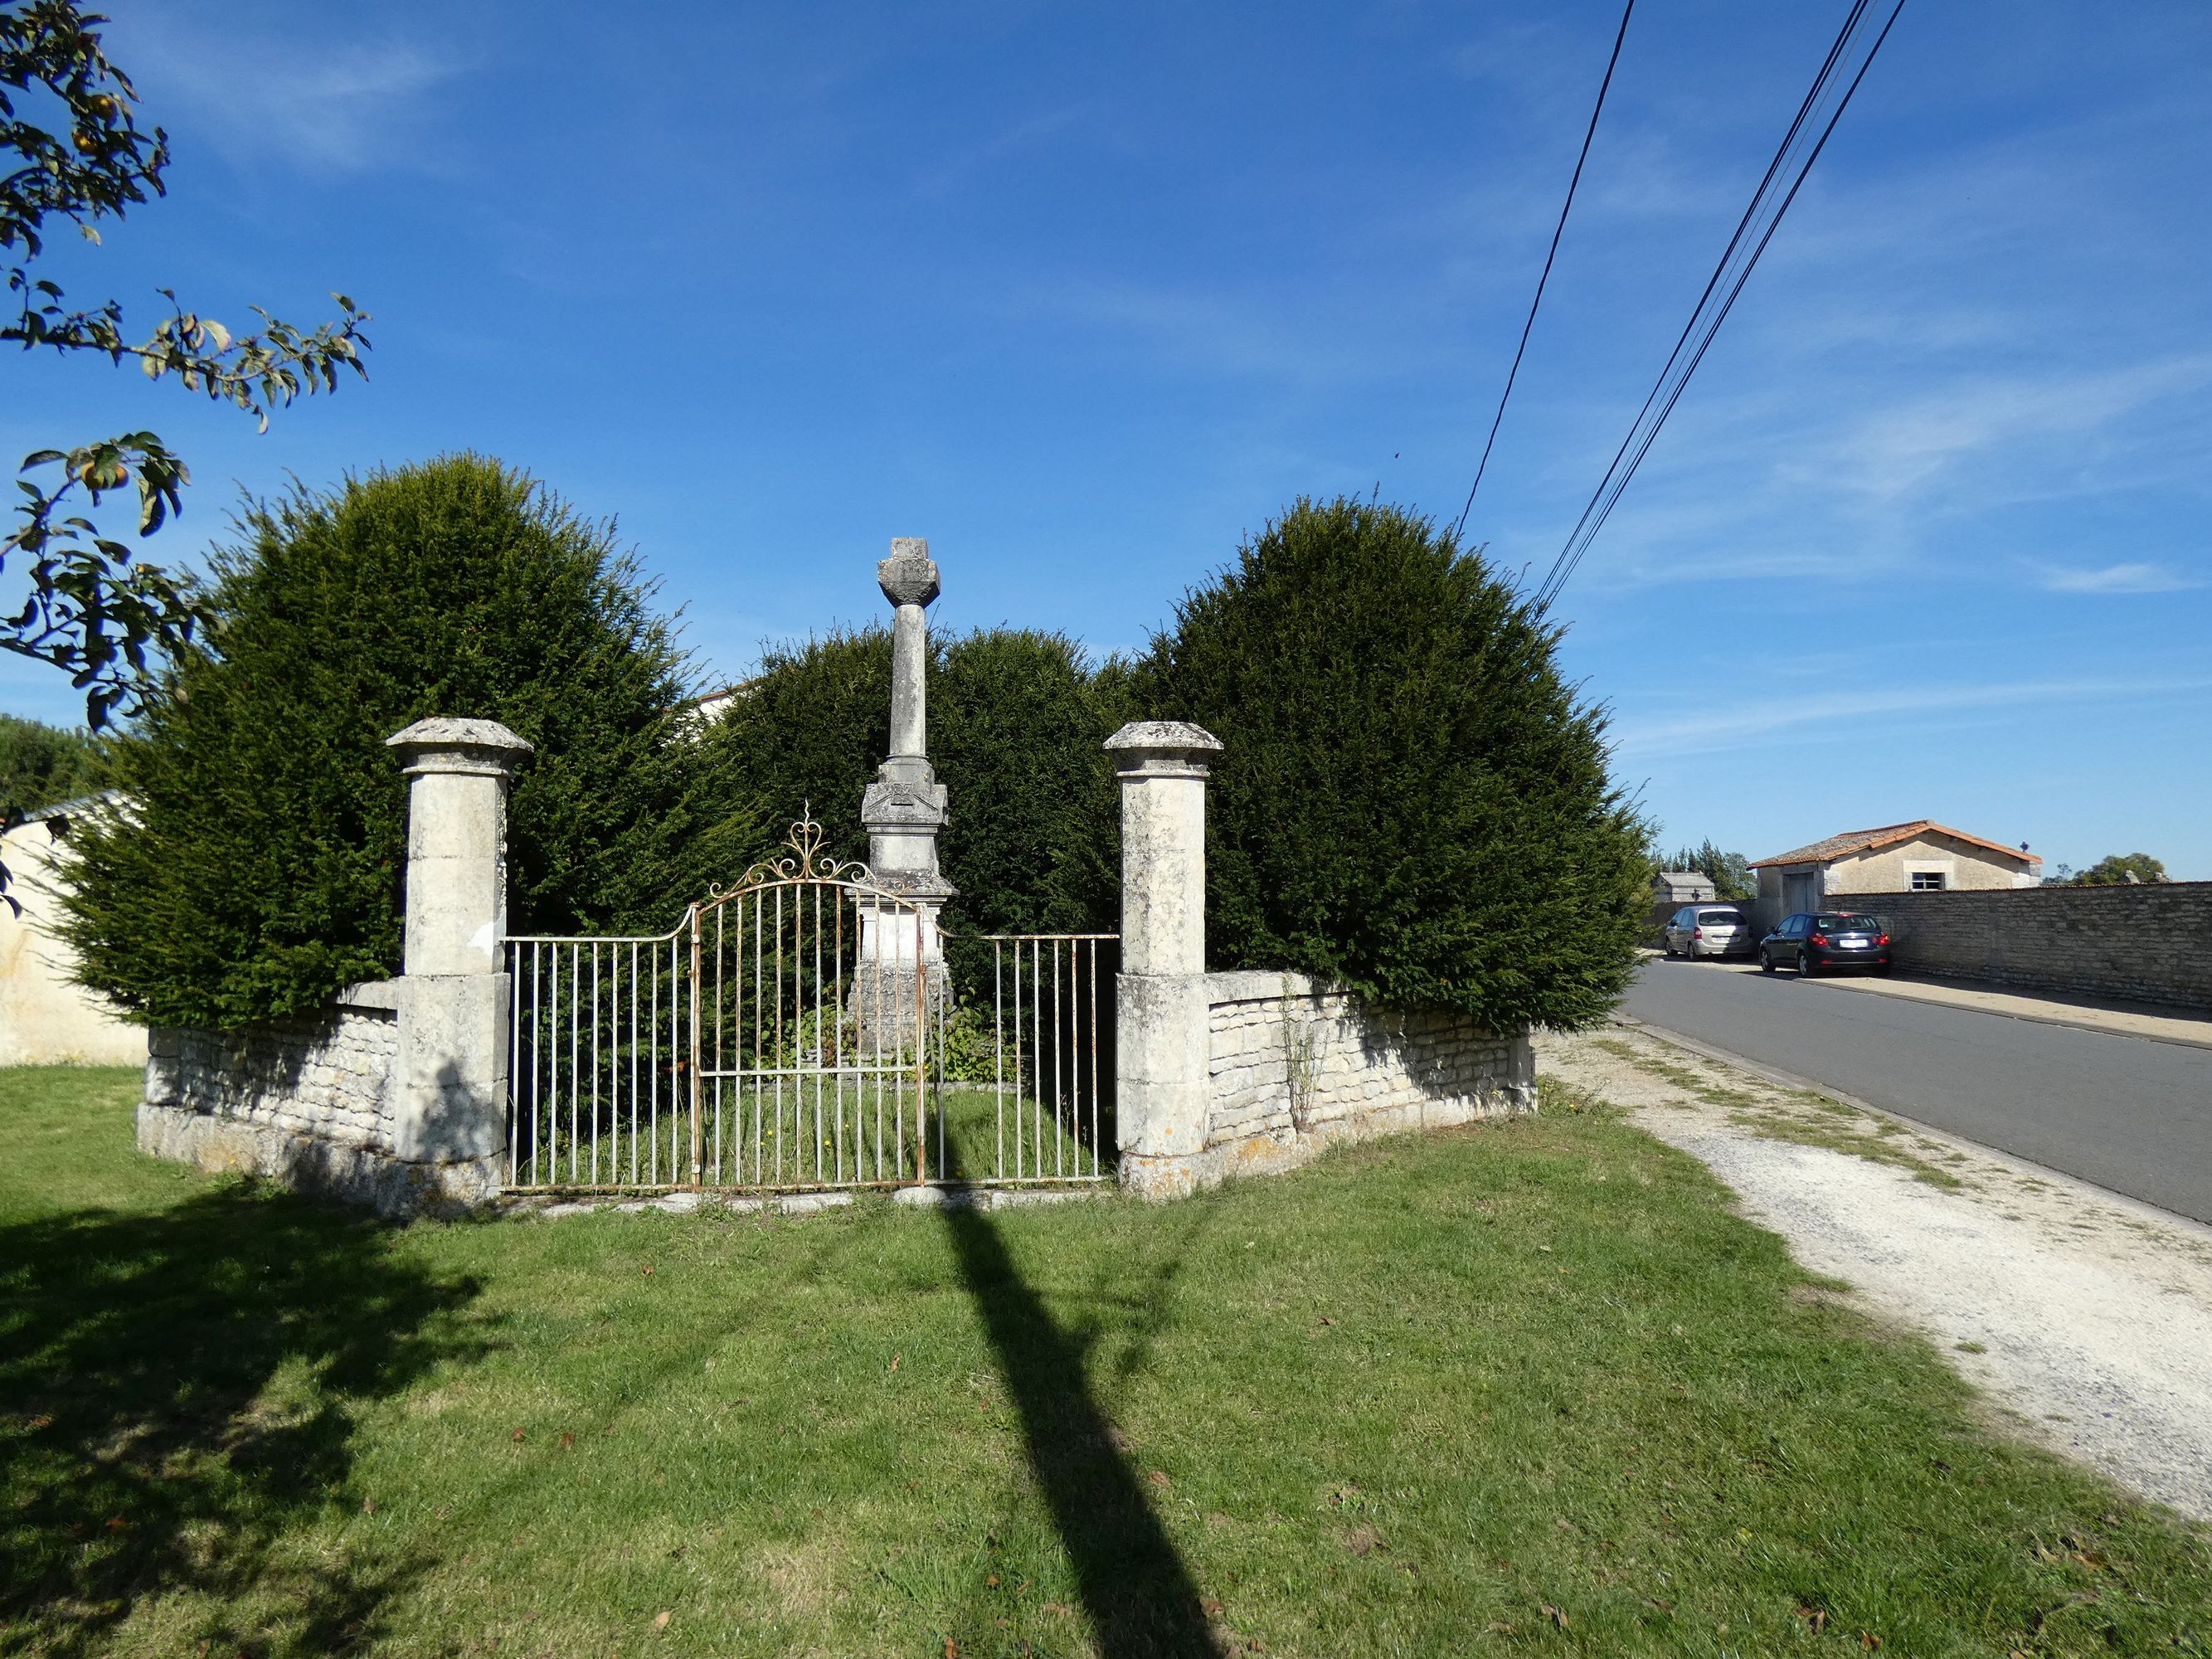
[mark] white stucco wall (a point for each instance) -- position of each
(1889, 869)
(43, 1016)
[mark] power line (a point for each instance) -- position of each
(1557, 230)
(1705, 320)
(1727, 255)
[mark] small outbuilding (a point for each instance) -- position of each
(1673, 887)
(1923, 856)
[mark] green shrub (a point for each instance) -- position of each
(1410, 803)
(1018, 729)
(41, 764)
(260, 867)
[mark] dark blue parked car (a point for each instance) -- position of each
(1814, 940)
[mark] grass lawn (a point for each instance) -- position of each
(1528, 1387)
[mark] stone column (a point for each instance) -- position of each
(449, 1101)
(903, 810)
(905, 807)
(1160, 1083)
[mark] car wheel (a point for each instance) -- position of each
(1766, 962)
(1882, 968)
(1805, 964)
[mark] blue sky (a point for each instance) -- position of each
(1086, 295)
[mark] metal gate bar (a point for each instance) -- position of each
(593, 1040)
(820, 1074)
(1046, 1032)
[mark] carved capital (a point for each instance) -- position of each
(910, 576)
(904, 805)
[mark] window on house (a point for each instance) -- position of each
(1927, 881)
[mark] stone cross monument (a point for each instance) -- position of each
(905, 807)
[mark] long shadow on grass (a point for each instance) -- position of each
(177, 1391)
(1141, 1598)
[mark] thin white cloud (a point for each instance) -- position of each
(1914, 444)
(2117, 579)
(322, 103)
(1745, 725)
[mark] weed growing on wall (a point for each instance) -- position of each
(1410, 802)
(258, 866)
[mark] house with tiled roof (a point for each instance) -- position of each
(1922, 856)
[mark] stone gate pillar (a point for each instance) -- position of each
(449, 1101)
(1160, 1082)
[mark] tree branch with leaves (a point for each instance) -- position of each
(74, 154)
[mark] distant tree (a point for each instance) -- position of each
(805, 734)
(2120, 869)
(1730, 873)
(41, 764)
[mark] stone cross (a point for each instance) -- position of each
(905, 807)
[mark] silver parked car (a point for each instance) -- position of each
(1710, 930)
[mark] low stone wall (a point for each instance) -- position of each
(308, 1101)
(2148, 944)
(1293, 1067)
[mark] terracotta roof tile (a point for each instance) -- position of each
(1866, 840)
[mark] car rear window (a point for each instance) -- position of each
(1720, 918)
(1847, 924)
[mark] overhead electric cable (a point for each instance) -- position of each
(1720, 270)
(1671, 386)
(1556, 231)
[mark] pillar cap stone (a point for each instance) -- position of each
(443, 743)
(1163, 748)
(910, 576)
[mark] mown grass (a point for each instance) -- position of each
(1528, 1387)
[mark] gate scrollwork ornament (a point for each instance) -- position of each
(806, 861)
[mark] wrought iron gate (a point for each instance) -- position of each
(790, 1033)
(1050, 1054)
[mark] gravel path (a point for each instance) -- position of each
(2085, 1317)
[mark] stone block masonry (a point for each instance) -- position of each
(396, 1096)
(314, 1103)
(1293, 1067)
(306, 1102)
(2147, 943)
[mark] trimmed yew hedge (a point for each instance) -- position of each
(1411, 801)
(258, 866)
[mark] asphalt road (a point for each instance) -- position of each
(2128, 1112)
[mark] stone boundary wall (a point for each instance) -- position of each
(307, 1102)
(2147, 943)
(1294, 1067)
